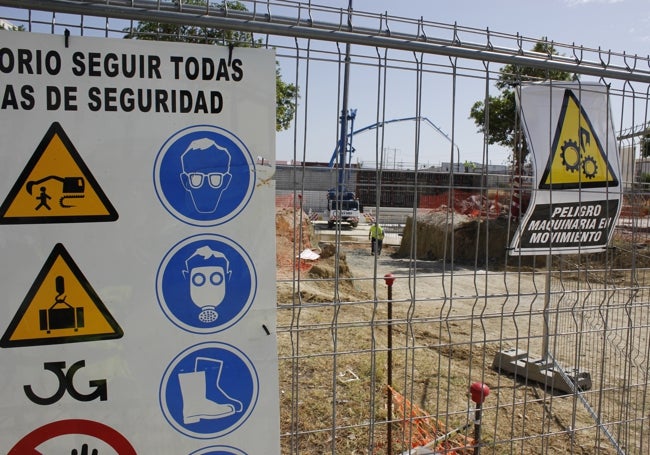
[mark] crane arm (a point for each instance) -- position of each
(387, 122)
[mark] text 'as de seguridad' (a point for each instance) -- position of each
(152, 69)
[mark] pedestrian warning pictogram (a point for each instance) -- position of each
(56, 186)
(60, 307)
(577, 158)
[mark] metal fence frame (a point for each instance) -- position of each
(584, 301)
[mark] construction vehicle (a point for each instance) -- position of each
(72, 188)
(343, 206)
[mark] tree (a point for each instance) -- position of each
(501, 122)
(9, 26)
(645, 144)
(286, 93)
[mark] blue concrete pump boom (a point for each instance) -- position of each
(342, 204)
(341, 150)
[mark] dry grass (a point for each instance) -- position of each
(333, 336)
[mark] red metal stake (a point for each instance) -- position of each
(478, 391)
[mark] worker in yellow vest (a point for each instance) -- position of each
(376, 237)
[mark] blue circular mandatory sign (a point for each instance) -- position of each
(218, 450)
(204, 175)
(206, 283)
(209, 390)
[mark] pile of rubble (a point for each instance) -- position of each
(442, 235)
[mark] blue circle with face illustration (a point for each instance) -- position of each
(206, 283)
(204, 175)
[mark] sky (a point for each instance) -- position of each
(611, 24)
(617, 25)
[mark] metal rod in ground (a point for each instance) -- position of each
(478, 392)
(389, 279)
(477, 429)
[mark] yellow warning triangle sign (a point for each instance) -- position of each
(577, 158)
(56, 186)
(60, 307)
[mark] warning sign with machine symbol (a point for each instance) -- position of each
(576, 197)
(60, 307)
(56, 186)
(578, 158)
(61, 315)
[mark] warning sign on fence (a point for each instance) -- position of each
(60, 307)
(123, 311)
(577, 159)
(576, 197)
(56, 186)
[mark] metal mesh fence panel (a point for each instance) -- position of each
(372, 365)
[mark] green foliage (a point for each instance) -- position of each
(286, 93)
(511, 75)
(500, 123)
(501, 118)
(19, 28)
(644, 178)
(155, 31)
(645, 144)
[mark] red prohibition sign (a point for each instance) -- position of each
(27, 445)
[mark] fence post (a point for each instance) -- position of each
(547, 303)
(389, 279)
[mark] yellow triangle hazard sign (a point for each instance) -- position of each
(577, 158)
(60, 307)
(56, 186)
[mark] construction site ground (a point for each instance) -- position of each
(441, 334)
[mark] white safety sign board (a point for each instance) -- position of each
(138, 247)
(576, 196)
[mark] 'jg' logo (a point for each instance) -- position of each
(66, 383)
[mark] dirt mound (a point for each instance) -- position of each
(436, 233)
(317, 276)
(326, 268)
(293, 234)
(492, 204)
